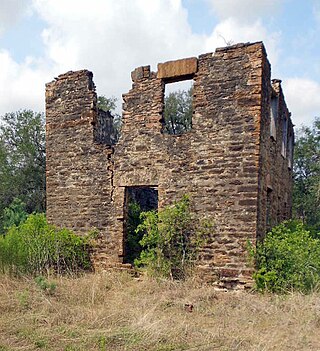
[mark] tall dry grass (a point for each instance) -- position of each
(114, 311)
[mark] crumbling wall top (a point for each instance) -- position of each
(240, 45)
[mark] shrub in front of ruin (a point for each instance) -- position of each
(288, 259)
(35, 247)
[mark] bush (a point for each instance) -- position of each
(171, 240)
(288, 259)
(35, 247)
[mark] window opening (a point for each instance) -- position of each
(268, 209)
(177, 114)
(137, 200)
(274, 116)
(290, 152)
(284, 137)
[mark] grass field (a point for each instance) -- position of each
(114, 311)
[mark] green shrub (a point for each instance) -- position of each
(35, 247)
(171, 241)
(288, 259)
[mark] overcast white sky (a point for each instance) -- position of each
(40, 39)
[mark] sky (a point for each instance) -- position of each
(40, 39)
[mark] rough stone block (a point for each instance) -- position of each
(178, 68)
(137, 74)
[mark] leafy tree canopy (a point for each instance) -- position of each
(14, 214)
(306, 195)
(107, 104)
(22, 160)
(178, 112)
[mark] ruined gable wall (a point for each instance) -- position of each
(79, 171)
(216, 162)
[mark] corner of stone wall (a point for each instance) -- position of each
(79, 161)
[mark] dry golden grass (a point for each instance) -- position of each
(114, 311)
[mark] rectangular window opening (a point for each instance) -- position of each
(137, 199)
(290, 152)
(268, 209)
(274, 110)
(284, 137)
(178, 109)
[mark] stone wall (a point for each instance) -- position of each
(226, 162)
(79, 170)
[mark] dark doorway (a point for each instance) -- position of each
(137, 200)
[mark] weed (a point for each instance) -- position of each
(40, 344)
(46, 286)
(23, 298)
(71, 348)
(102, 343)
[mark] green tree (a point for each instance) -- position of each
(306, 194)
(22, 160)
(14, 214)
(107, 104)
(178, 112)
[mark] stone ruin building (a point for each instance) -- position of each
(235, 162)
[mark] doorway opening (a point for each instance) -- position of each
(138, 199)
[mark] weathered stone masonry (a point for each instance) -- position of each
(234, 163)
